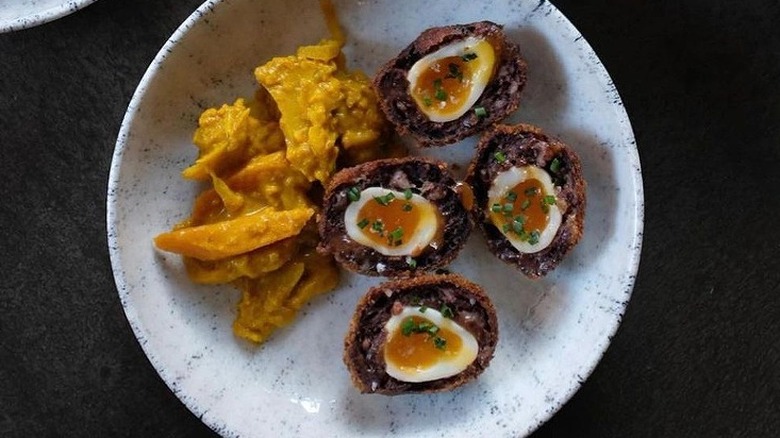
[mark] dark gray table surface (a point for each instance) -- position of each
(697, 354)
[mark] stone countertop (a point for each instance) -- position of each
(698, 351)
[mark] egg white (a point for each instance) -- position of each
(479, 80)
(413, 243)
(508, 179)
(448, 366)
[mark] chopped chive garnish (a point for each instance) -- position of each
(526, 203)
(411, 262)
(363, 223)
(480, 112)
(353, 194)
(555, 165)
(496, 208)
(533, 238)
(499, 156)
(549, 200)
(446, 311)
(506, 228)
(407, 194)
(407, 207)
(407, 326)
(531, 191)
(519, 219)
(517, 227)
(378, 226)
(422, 309)
(454, 72)
(508, 207)
(385, 200)
(394, 237)
(439, 92)
(466, 57)
(427, 101)
(511, 196)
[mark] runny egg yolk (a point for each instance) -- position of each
(424, 345)
(421, 349)
(392, 222)
(445, 84)
(522, 204)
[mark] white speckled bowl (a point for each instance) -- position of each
(22, 14)
(553, 331)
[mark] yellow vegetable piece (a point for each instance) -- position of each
(229, 136)
(270, 181)
(265, 181)
(260, 311)
(233, 201)
(251, 265)
(271, 302)
(332, 21)
(321, 275)
(234, 236)
(322, 107)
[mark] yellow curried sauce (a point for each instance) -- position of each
(325, 110)
(418, 350)
(254, 227)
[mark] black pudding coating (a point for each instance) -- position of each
(426, 177)
(499, 99)
(521, 145)
(365, 339)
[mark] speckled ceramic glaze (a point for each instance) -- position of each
(21, 14)
(552, 331)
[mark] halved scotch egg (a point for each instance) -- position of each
(428, 333)
(452, 82)
(530, 197)
(394, 217)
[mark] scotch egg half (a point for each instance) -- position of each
(423, 345)
(522, 204)
(392, 222)
(447, 83)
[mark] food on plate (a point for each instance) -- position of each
(394, 217)
(236, 236)
(327, 112)
(428, 333)
(229, 136)
(272, 300)
(452, 82)
(530, 197)
(264, 159)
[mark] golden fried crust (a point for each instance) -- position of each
(522, 145)
(364, 341)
